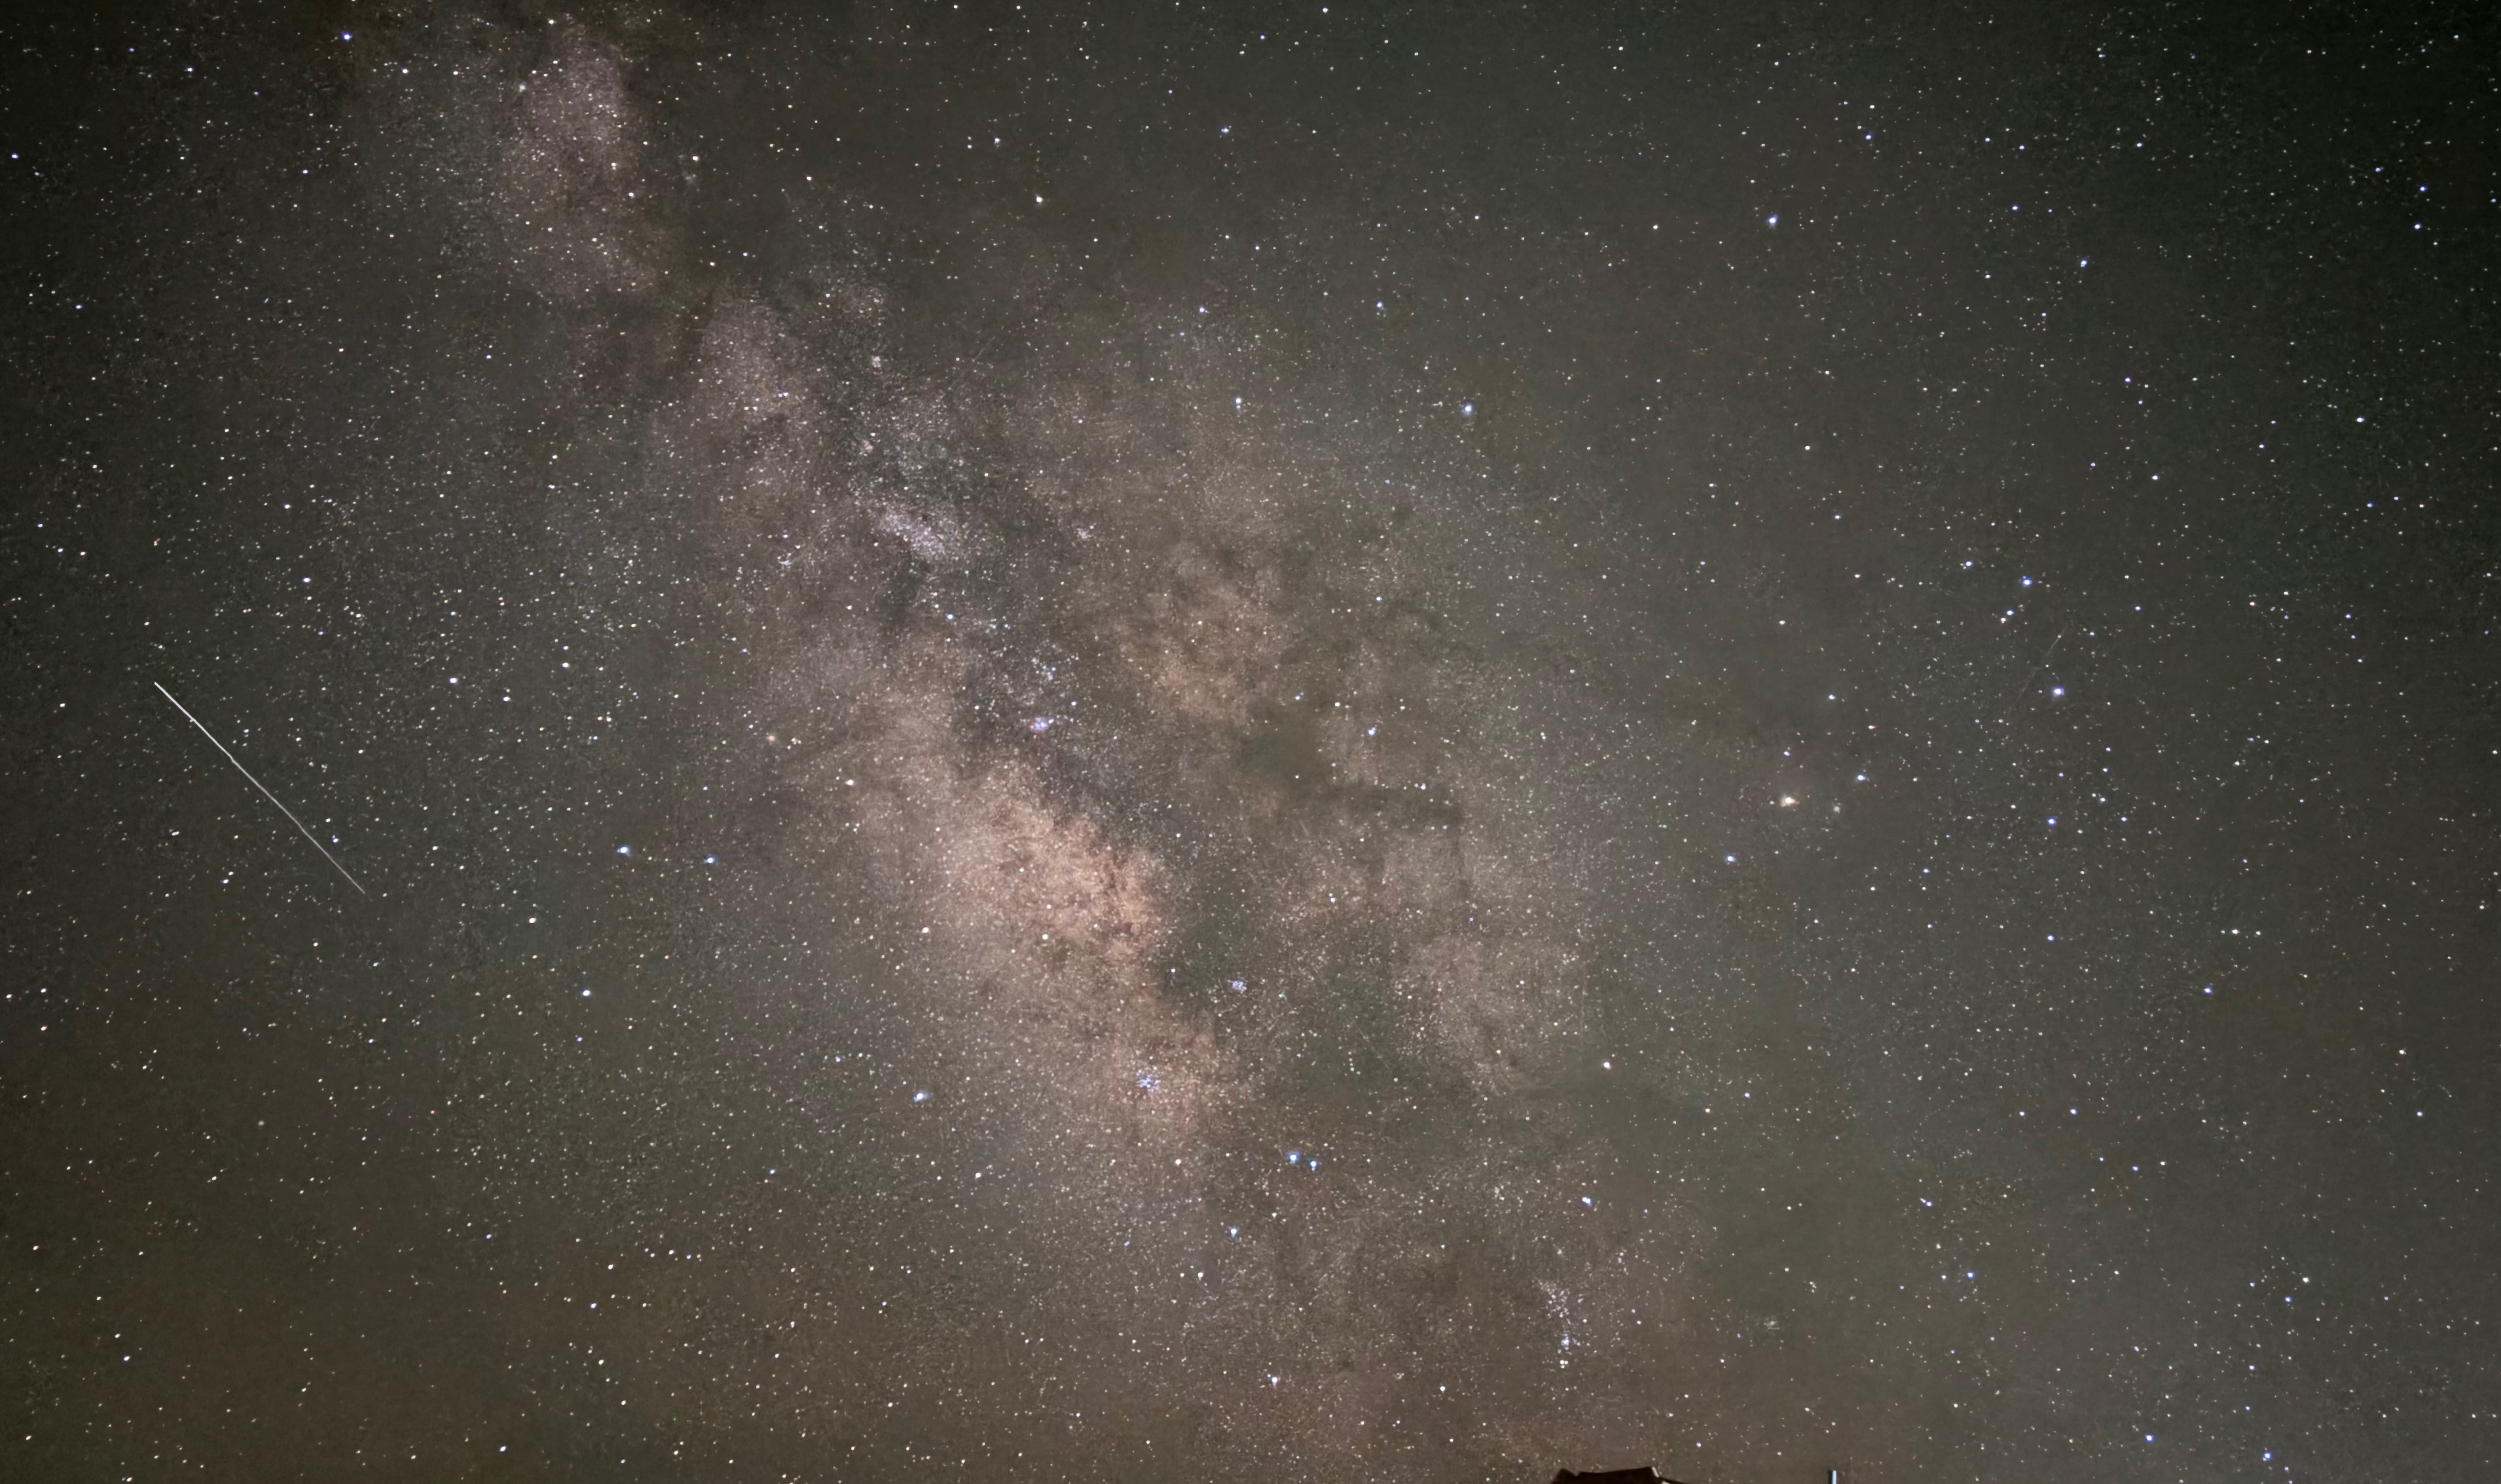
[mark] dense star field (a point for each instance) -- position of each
(1284, 742)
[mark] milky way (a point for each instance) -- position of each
(1269, 743)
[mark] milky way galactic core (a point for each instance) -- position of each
(1262, 742)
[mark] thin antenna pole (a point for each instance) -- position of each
(264, 789)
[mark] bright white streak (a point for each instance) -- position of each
(264, 790)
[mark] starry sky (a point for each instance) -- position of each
(1268, 743)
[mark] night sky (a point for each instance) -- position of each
(1258, 742)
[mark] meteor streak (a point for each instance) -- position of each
(264, 789)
